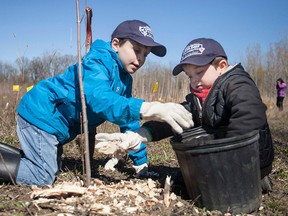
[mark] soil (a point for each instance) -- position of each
(17, 200)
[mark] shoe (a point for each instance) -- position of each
(142, 171)
(111, 164)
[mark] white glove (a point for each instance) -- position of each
(107, 147)
(119, 143)
(174, 114)
(142, 171)
(111, 164)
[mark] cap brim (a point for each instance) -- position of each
(196, 60)
(177, 69)
(157, 49)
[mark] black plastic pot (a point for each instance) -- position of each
(220, 174)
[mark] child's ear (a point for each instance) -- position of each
(223, 64)
(115, 43)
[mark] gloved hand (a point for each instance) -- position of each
(108, 147)
(142, 171)
(174, 114)
(119, 143)
(111, 164)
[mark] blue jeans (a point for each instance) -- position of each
(42, 155)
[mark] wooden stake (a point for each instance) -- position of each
(84, 114)
(88, 28)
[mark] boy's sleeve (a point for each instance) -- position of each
(162, 130)
(132, 126)
(158, 130)
(245, 105)
(140, 156)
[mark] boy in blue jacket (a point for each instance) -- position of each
(49, 114)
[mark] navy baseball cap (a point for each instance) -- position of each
(140, 32)
(200, 52)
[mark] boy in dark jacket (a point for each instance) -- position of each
(222, 96)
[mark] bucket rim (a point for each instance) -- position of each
(219, 144)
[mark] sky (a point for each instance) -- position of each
(32, 28)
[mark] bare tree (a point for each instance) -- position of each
(23, 64)
(61, 62)
(8, 72)
(36, 70)
(253, 62)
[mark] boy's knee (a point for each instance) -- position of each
(35, 181)
(47, 181)
(34, 175)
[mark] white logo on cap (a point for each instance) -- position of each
(146, 31)
(192, 49)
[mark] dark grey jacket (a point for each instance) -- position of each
(234, 104)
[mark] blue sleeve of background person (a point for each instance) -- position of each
(139, 157)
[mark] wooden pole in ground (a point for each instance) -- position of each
(84, 114)
(92, 132)
(88, 28)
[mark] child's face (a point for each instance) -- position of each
(131, 54)
(201, 77)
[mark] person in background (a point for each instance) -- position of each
(49, 114)
(222, 96)
(281, 87)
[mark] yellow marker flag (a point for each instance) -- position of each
(155, 87)
(16, 88)
(29, 88)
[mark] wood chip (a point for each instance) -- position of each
(167, 191)
(128, 197)
(59, 191)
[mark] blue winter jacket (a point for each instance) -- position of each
(54, 104)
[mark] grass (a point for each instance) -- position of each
(279, 129)
(160, 151)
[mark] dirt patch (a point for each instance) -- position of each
(17, 200)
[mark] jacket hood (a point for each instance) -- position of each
(104, 47)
